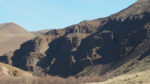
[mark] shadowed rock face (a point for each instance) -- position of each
(6, 58)
(53, 48)
(106, 43)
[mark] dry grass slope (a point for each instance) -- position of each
(12, 75)
(7, 70)
(134, 78)
(47, 80)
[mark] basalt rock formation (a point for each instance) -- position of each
(91, 47)
(34, 54)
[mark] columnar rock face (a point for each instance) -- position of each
(104, 44)
(54, 48)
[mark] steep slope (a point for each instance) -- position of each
(90, 47)
(140, 62)
(12, 36)
(7, 70)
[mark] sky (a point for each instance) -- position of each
(36, 15)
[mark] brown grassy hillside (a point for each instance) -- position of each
(7, 70)
(47, 80)
(12, 36)
(134, 78)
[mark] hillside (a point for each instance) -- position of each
(105, 47)
(7, 70)
(12, 36)
(134, 78)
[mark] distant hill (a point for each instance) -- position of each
(12, 36)
(36, 33)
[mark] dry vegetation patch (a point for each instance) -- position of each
(47, 80)
(134, 78)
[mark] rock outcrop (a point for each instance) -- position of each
(54, 43)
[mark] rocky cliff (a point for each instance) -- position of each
(90, 47)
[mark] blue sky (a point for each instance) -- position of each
(46, 14)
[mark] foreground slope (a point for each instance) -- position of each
(7, 70)
(12, 36)
(95, 47)
(134, 78)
